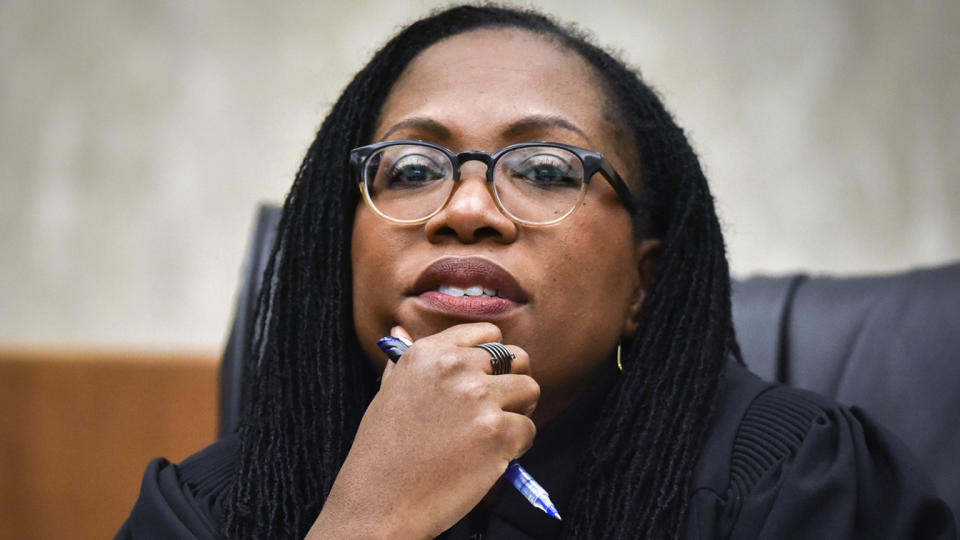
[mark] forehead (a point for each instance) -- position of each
(481, 81)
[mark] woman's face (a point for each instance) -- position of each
(572, 289)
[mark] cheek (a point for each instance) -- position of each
(602, 258)
(362, 249)
(372, 279)
(592, 286)
(599, 288)
(375, 246)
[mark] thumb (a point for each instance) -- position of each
(386, 372)
(401, 332)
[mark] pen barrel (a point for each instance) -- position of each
(531, 490)
(392, 347)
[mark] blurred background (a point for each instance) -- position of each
(138, 137)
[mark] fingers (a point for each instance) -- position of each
(468, 336)
(453, 353)
(507, 434)
(519, 365)
(476, 358)
(519, 431)
(516, 393)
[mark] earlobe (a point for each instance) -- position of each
(648, 251)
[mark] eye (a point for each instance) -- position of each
(413, 171)
(546, 170)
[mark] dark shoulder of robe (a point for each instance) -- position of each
(787, 463)
(778, 463)
(185, 500)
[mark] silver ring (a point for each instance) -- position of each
(501, 358)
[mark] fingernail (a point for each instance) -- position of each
(400, 333)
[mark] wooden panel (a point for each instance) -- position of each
(78, 428)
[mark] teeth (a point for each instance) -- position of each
(451, 290)
(476, 290)
(472, 291)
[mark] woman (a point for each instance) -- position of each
(589, 246)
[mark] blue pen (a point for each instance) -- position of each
(517, 475)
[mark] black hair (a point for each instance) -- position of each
(308, 383)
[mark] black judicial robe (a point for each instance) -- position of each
(778, 463)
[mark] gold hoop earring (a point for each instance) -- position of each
(619, 363)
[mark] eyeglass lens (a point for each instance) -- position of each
(535, 184)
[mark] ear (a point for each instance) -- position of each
(648, 251)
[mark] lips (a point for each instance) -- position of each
(468, 286)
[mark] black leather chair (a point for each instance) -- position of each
(889, 345)
(885, 344)
(235, 352)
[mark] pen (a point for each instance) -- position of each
(532, 491)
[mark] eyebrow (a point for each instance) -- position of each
(420, 123)
(538, 121)
(515, 129)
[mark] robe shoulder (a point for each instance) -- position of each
(786, 463)
(185, 500)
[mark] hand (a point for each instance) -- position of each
(433, 441)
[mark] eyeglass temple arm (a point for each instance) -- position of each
(356, 164)
(629, 201)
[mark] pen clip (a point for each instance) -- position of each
(393, 347)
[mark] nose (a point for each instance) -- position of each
(471, 215)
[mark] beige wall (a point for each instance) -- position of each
(136, 138)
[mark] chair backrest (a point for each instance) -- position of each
(886, 344)
(235, 352)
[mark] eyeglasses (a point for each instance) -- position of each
(535, 183)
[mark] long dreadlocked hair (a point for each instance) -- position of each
(308, 384)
